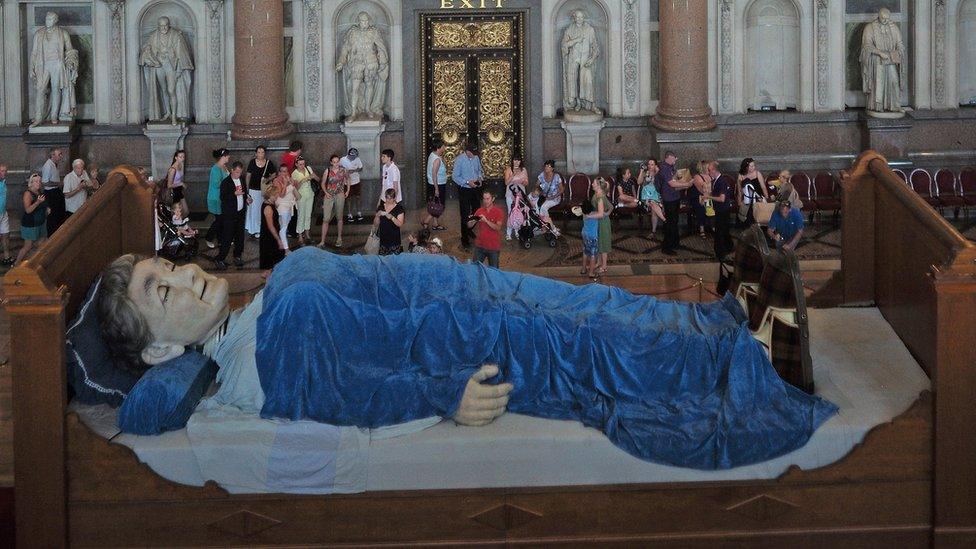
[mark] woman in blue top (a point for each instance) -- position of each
(550, 188)
(218, 172)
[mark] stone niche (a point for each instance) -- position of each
(598, 17)
(346, 18)
(772, 64)
(180, 19)
(966, 53)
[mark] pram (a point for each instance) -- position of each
(173, 245)
(531, 224)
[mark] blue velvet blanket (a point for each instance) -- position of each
(371, 341)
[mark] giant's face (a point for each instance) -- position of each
(181, 305)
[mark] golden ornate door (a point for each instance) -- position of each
(473, 87)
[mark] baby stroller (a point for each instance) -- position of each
(173, 245)
(526, 219)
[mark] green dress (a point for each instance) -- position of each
(605, 234)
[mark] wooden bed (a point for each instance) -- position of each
(911, 483)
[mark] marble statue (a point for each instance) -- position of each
(580, 49)
(882, 51)
(365, 64)
(168, 70)
(54, 66)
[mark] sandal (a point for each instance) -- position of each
(439, 228)
(601, 271)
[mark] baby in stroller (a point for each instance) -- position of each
(526, 220)
(177, 240)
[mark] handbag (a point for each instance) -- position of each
(372, 246)
(709, 208)
(516, 218)
(435, 208)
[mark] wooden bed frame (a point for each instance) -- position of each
(911, 483)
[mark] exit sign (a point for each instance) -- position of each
(471, 4)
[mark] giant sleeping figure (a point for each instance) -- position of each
(368, 341)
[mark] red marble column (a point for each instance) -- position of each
(684, 67)
(258, 69)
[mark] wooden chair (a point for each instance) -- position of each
(750, 257)
(778, 319)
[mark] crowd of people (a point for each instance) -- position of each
(48, 200)
(274, 203)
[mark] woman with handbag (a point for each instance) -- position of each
(335, 190)
(436, 187)
(751, 189)
(386, 224)
(303, 177)
(260, 170)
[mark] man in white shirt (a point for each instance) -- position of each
(391, 175)
(77, 184)
(53, 194)
(354, 166)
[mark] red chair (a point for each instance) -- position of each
(825, 195)
(922, 184)
(947, 187)
(901, 174)
(967, 184)
(801, 182)
(575, 193)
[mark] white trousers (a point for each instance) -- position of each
(252, 219)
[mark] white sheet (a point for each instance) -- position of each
(859, 364)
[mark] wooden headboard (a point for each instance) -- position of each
(902, 255)
(42, 293)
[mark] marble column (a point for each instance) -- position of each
(684, 66)
(258, 66)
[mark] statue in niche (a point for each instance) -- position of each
(168, 70)
(365, 64)
(54, 66)
(882, 52)
(580, 49)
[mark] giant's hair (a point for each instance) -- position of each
(124, 329)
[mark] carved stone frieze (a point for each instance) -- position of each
(631, 54)
(823, 36)
(215, 22)
(116, 46)
(313, 52)
(726, 40)
(939, 46)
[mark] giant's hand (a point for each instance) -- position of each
(482, 403)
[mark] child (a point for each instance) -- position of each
(182, 223)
